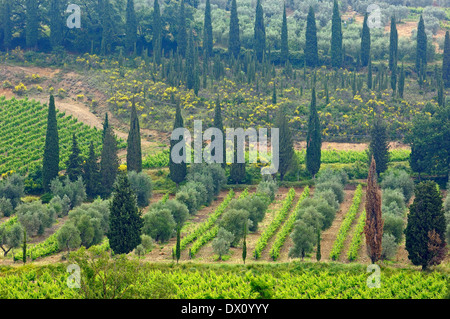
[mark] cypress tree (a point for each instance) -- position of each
(313, 139)
(311, 52)
(105, 125)
(131, 26)
(379, 145)
(237, 170)
(7, 24)
(234, 42)
(401, 82)
(177, 171)
(134, 152)
(32, 23)
(259, 44)
(421, 48)
(125, 221)
(373, 229)
(178, 245)
(393, 45)
(74, 162)
(207, 31)
(109, 163)
(24, 246)
(365, 42)
(336, 37)
(446, 61)
(50, 163)
(244, 246)
(218, 123)
(425, 230)
(107, 26)
(284, 38)
(286, 146)
(157, 32)
(318, 251)
(91, 173)
(182, 32)
(56, 23)
(190, 62)
(440, 96)
(394, 80)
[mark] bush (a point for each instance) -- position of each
(255, 205)
(221, 244)
(141, 185)
(61, 206)
(389, 247)
(329, 174)
(178, 210)
(92, 221)
(76, 190)
(394, 225)
(159, 224)
(68, 237)
(13, 188)
(35, 217)
(188, 197)
(212, 176)
(328, 196)
(335, 186)
(234, 220)
(6, 208)
(268, 187)
(393, 196)
(398, 179)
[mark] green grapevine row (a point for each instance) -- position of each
(198, 282)
(287, 227)
(205, 226)
(46, 248)
(275, 224)
(357, 237)
(346, 224)
(212, 233)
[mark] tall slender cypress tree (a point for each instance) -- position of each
(50, 163)
(177, 170)
(421, 48)
(56, 23)
(259, 39)
(107, 26)
(207, 31)
(105, 125)
(365, 42)
(446, 61)
(393, 45)
(286, 146)
(109, 163)
(134, 152)
(373, 228)
(91, 173)
(218, 123)
(74, 169)
(313, 138)
(190, 62)
(125, 221)
(182, 31)
(284, 38)
(234, 42)
(336, 37)
(311, 51)
(157, 32)
(131, 26)
(32, 23)
(379, 145)
(7, 24)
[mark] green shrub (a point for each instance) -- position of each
(141, 185)
(398, 179)
(6, 208)
(159, 224)
(394, 225)
(389, 247)
(393, 196)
